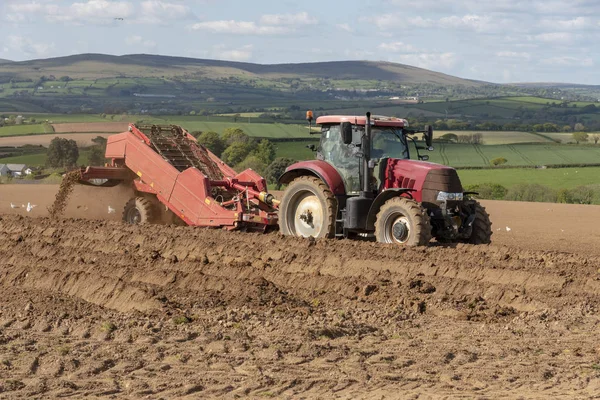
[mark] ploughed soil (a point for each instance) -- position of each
(94, 308)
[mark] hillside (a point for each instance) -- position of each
(3, 61)
(87, 66)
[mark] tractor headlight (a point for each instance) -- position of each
(445, 196)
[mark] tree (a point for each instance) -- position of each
(274, 171)
(100, 141)
(498, 161)
(62, 153)
(231, 135)
(252, 162)
(596, 138)
(265, 151)
(580, 137)
(212, 141)
(579, 127)
(236, 153)
(96, 156)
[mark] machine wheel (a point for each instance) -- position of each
(308, 208)
(140, 210)
(482, 226)
(402, 221)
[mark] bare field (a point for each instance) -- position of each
(95, 308)
(82, 139)
(102, 127)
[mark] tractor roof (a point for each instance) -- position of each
(376, 120)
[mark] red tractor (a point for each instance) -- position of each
(363, 182)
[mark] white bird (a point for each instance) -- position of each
(111, 210)
(13, 205)
(507, 229)
(30, 207)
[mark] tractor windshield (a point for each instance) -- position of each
(388, 143)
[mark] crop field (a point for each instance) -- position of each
(295, 150)
(252, 129)
(501, 137)
(39, 159)
(29, 129)
(469, 155)
(556, 178)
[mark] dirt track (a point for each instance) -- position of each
(97, 308)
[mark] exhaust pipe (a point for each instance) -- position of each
(366, 150)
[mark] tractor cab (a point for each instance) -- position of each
(388, 140)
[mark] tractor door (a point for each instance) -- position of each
(341, 156)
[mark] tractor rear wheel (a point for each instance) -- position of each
(140, 210)
(404, 222)
(308, 208)
(482, 226)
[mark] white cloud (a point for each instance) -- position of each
(399, 21)
(240, 54)
(513, 54)
(139, 41)
(154, 11)
(29, 47)
(554, 37)
(345, 27)
(99, 11)
(435, 61)
(567, 61)
(91, 11)
(396, 47)
(301, 18)
(474, 22)
(239, 28)
(568, 24)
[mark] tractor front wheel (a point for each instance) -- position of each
(140, 210)
(307, 209)
(404, 222)
(482, 226)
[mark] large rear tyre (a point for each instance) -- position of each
(308, 208)
(140, 210)
(404, 222)
(482, 226)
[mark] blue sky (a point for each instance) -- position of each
(496, 41)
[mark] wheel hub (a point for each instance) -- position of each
(400, 229)
(134, 216)
(308, 215)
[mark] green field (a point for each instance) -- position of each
(501, 137)
(469, 155)
(556, 178)
(204, 124)
(295, 150)
(32, 129)
(39, 159)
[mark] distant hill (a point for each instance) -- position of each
(3, 61)
(87, 66)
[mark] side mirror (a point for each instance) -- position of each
(346, 132)
(429, 135)
(424, 157)
(311, 147)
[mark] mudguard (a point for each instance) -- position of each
(319, 169)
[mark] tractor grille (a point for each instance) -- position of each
(440, 180)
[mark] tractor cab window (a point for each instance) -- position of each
(388, 143)
(341, 156)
